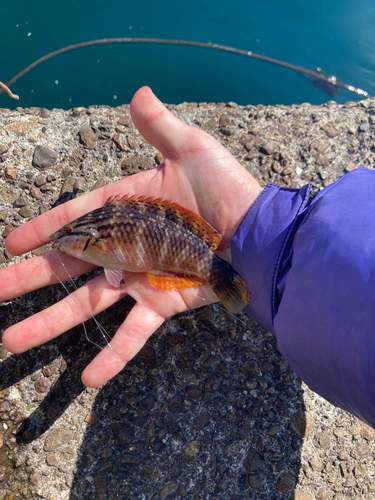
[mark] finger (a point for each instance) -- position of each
(142, 321)
(37, 232)
(158, 126)
(32, 274)
(76, 308)
(138, 327)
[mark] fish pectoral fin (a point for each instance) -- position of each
(169, 281)
(102, 244)
(114, 276)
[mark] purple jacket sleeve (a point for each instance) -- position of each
(311, 274)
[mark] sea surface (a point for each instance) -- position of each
(335, 35)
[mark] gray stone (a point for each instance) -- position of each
(225, 130)
(224, 121)
(119, 139)
(269, 148)
(285, 482)
(78, 111)
(57, 438)
(316, 464)
(40, 181)
(365, 431)
(168, 490)
(44, 113)
(194, 391)
(136, 164)
(253, 461)
(52, 368)
(322, 440)
(159, 159)
(331, 129)
(43, 209)
(44, 158)
(123, 432)
(98, 184)
(201, 421)
(192, 449)
(20, 202)
(364, 127)
(36, 193)
(132, 143)
(322, 160)
(79, 186)
(42, 385)
(51, 460)
(176, 404)
(319, 146)
(340, 432)
(25, 212)
(360, 451)
(147, 403)
(101, 486)
(343, 455)
(8, 229)
(88, 137)
(256, 481)
(67, 187)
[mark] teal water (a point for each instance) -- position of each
(337, 36)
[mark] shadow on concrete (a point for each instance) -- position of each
(208, 409)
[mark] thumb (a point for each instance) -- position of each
(157, 125)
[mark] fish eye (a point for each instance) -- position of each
(67, 229)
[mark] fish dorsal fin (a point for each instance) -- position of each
(116, 199)
(175, 212)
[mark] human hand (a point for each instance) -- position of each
(198, 173)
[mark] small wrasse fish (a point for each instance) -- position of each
(174, 246)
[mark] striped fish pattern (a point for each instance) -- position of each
(174, 246)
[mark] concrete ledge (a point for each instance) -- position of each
(208, 409)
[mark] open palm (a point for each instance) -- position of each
(198, 173)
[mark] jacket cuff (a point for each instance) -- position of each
(258, 244)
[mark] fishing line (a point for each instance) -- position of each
(328, 84)
(101, 329)
(218, 304)
(231, 314)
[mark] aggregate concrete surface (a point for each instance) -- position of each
(209, 409)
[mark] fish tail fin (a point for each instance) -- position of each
(231, 289)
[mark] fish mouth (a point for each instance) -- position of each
(55, 245)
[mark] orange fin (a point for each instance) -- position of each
(179, 214)
(167, 281)
(116, 199)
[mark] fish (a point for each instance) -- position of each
(174, 246)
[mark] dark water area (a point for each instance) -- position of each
(337, 36)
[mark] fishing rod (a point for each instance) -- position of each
(328, 84)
